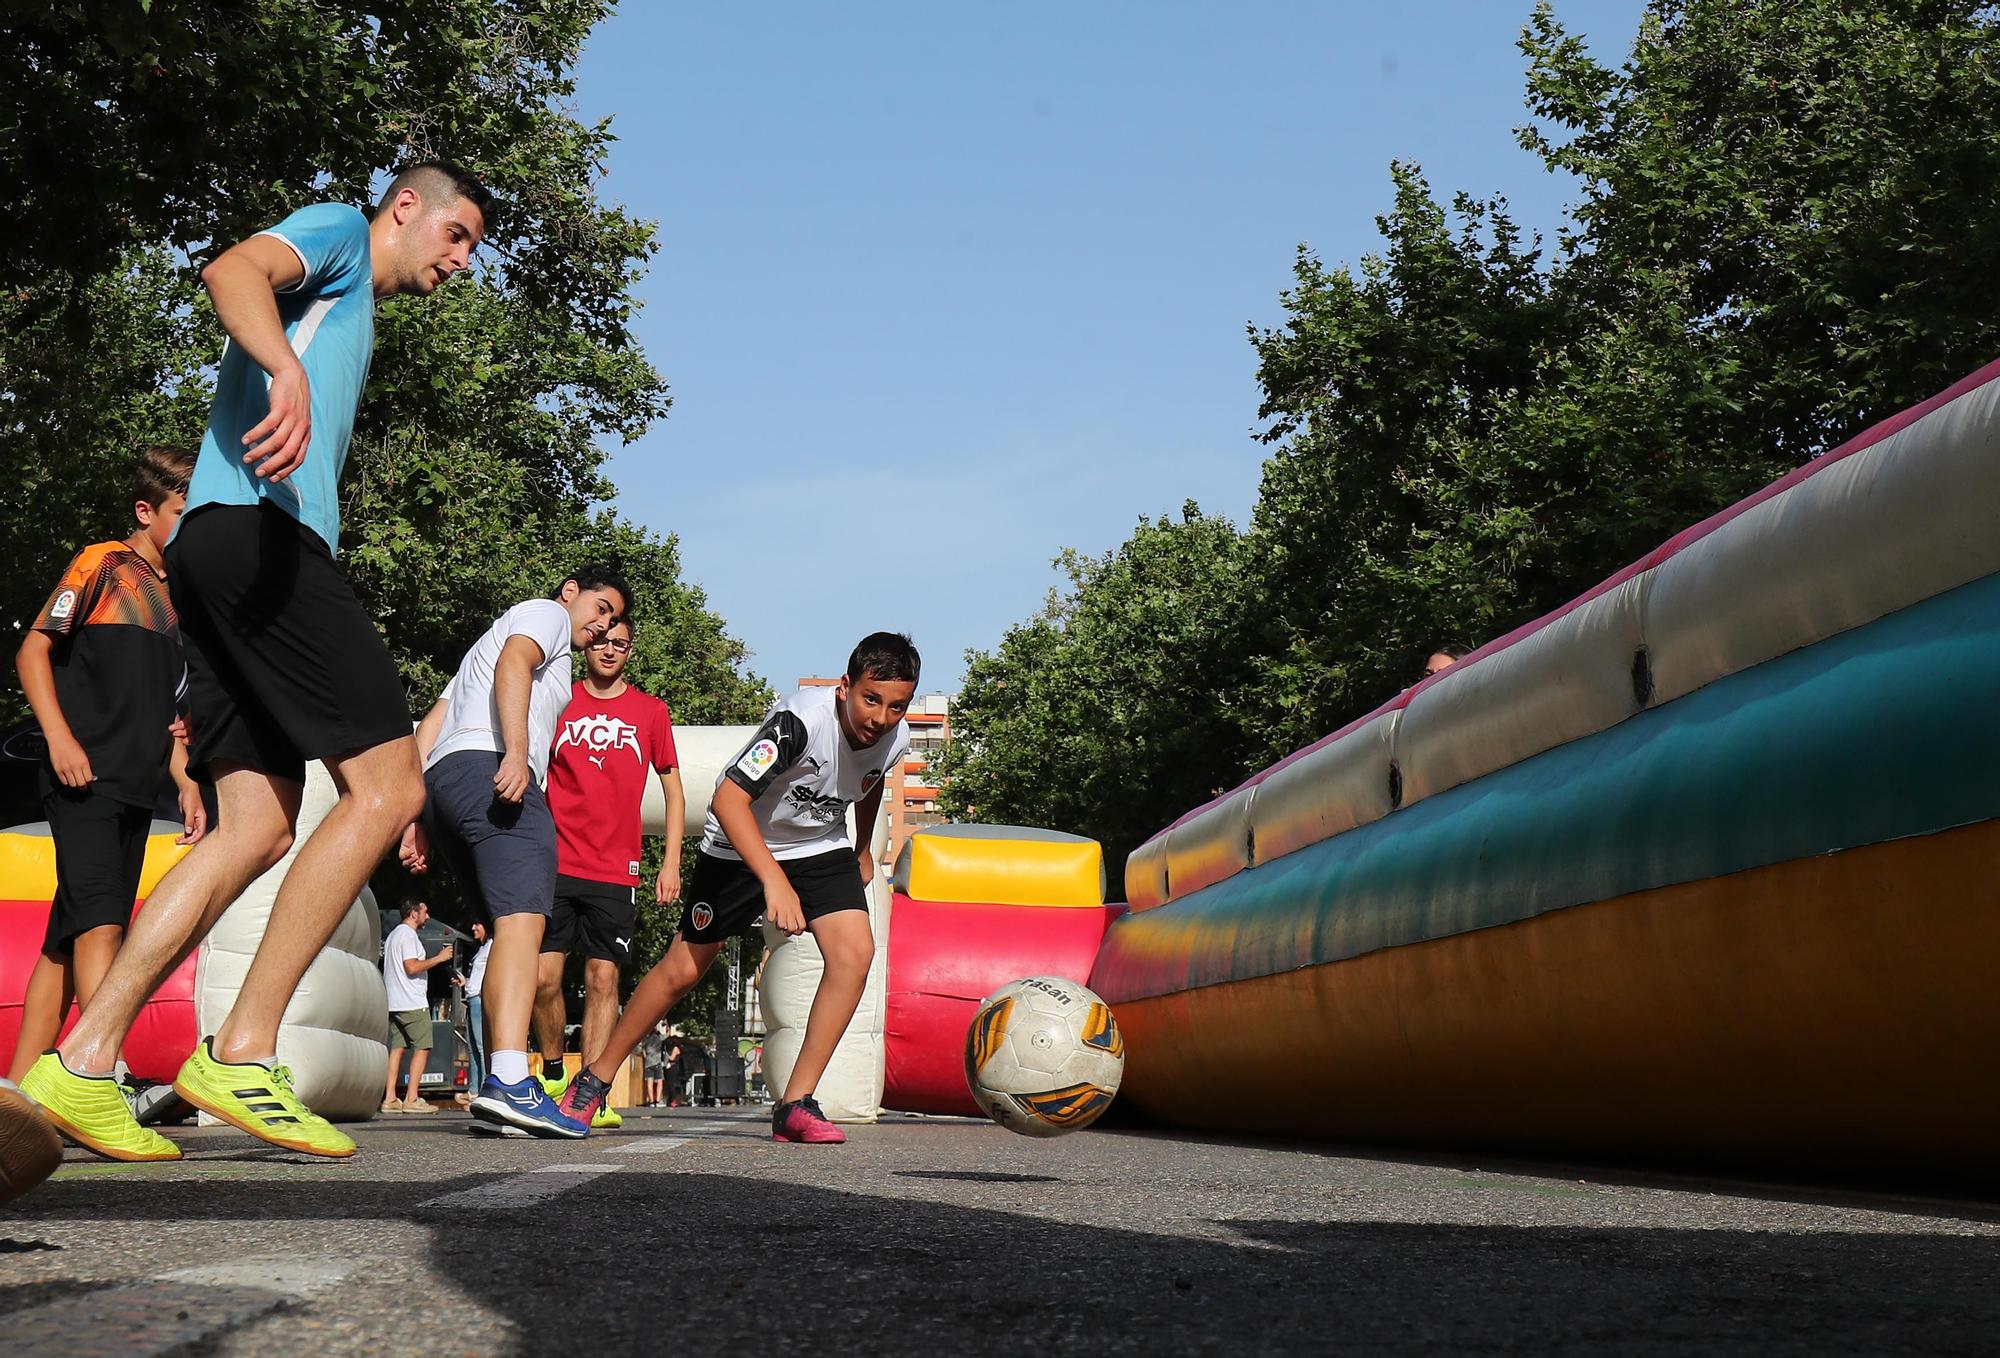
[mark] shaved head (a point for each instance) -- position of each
(439, 183)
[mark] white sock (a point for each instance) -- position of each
(119, 1070)
(509, 1068)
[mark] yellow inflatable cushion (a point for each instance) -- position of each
(28, 862)
(1003, 871)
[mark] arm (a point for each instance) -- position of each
(194, 815)
(864, 831)
(416, 967)
(513, 681)
(668, 888)
(38, 682)
(414, 853)
(243, 282)
(781, 903)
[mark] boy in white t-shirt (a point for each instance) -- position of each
(776, 845)
(485, 747)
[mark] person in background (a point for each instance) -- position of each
(475, 1015)
(1442, 659)
(653, 1054)
(406, 976)
(102, 669)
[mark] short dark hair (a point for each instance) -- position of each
(431, 178)
(885, 655)
(1450, 648)
(163, 471)
(601, 577)
(411, 904)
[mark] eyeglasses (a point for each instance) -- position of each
(622, 647)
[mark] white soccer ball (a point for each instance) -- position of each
(1044, 1056)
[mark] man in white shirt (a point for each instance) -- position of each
(406, 976)
(485, 746)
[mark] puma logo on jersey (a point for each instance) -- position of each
(596, 759)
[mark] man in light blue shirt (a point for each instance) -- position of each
(284, 663)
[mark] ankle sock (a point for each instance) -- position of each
(509, 1068)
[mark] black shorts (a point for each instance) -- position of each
(725, 898)
(599, 915)
(100, 852)
(284, 665)
(503, 853)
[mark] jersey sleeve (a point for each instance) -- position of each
(665, 756)
(331, 240)
(776, 747)
(75, 594)
(544, 622)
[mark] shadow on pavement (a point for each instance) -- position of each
(665, 1260)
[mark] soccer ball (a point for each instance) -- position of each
(1044, 1056)
(29, 1149)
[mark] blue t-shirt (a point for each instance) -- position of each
(329, 317)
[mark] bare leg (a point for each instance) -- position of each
(94, 951)
(600, 1004)
(381, 791)
(395, 1068)
(51, 986)
(255, 815)
(419, 1058)
(509, 992)
(549, 1012)
(847, 942)
(684, 964)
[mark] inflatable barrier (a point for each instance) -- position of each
(1699, 864)
(165, 1032)
(977, 906)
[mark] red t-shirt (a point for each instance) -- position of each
(605, 749)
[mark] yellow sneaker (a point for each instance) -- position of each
(554, 1085)
(606, 1116)
(91, 1111)
(258, 1100)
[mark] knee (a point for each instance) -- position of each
(600, 979)
(400, 798)
(850, 959)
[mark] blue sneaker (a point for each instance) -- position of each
(525, 1105)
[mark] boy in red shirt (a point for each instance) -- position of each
(102, 668)
(610, 735)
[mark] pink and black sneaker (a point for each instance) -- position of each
(804, 1122)
(583, 1096)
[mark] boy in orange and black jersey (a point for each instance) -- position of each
(102, 670)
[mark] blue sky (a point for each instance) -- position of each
(946, 288)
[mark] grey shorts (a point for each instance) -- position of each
(504, 855)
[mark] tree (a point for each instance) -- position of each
(1115, 704)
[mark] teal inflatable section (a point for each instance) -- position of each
(1882, 732)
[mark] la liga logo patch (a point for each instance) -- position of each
(64, 605)
(758, 758)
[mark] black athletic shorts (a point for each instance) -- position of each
(284, 665)
(599, 915)
(502, 853)
(725, 898)
(100, 852)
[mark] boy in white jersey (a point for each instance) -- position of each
(776, 845)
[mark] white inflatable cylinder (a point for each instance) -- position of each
(335, 1032)
(851, 1089)
(704, 752)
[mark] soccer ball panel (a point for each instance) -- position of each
(1044, 1056)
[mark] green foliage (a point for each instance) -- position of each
(1113, 702)
(1786, 230)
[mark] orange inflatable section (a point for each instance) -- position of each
(1729, 1015)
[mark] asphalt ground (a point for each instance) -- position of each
(938, 1237)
